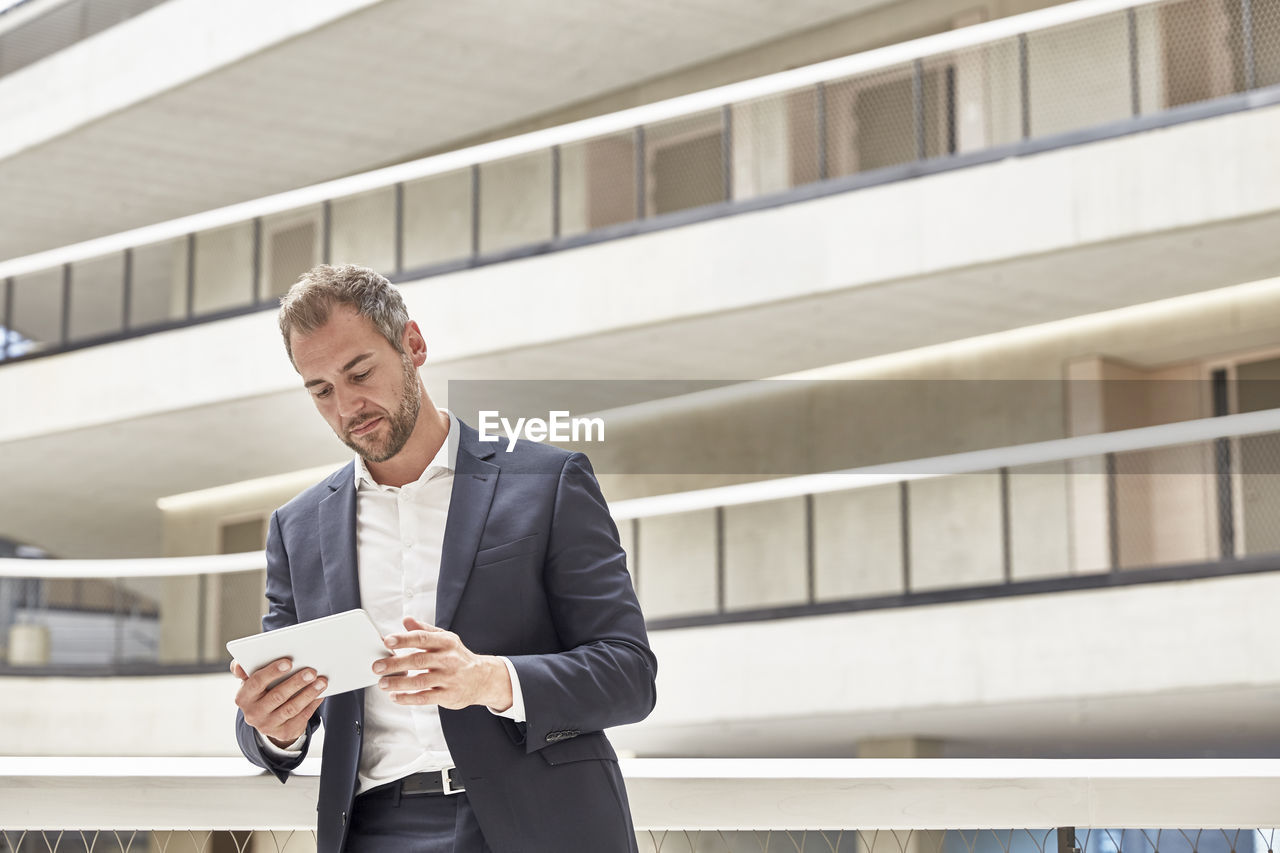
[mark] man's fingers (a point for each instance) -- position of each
(419, 639)
(420, 697)
(299, 703)
(405, 663)
(423, 681)
(255, 700)
(412, 624)
(269, 673)
(238, 671)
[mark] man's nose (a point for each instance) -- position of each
(349, 403)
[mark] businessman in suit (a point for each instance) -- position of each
(498, 583)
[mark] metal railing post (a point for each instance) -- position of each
(904, 508)
(126, 296)
(326, 231)
(64, 332)
(6, 319)
(1113, 514)
(820, 96)
(810, 552)
(1222, 464)
(641, 180)
(917, 104)
(399, 227)
(1006, 526)
(555, 192)
(1067, 840)
(256, 272)
(1135, 92)
(1246, 27)
(475, 210)
(721, 598)
(726, 149)
(191, 276)
(1024, 85)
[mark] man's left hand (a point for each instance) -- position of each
(441, 671)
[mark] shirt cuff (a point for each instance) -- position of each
(293, 750)
(516, 711)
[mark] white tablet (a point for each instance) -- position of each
(341, 647)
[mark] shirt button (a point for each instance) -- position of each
(408, 543)
(408, 594)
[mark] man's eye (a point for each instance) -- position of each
(363, 376)
(322, 394)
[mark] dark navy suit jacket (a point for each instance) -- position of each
(531, 568)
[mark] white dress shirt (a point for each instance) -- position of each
(399, 537)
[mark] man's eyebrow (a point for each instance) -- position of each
(350, 364)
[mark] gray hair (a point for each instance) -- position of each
(306, 306)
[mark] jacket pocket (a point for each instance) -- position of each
(498, 553)
(584, 746)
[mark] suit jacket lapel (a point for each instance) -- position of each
(474, 482)
(338, 541)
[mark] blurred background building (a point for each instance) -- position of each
(972, 245)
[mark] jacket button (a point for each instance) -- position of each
(344, 818)
(357, 727)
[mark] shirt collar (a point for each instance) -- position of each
(446, 459)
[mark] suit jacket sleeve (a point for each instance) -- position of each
(605, 676)
(280, 613)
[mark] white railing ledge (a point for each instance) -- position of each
(72, 793)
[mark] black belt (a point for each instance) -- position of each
(428, 782)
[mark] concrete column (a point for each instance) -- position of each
(28, 645)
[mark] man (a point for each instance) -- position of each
(461, 552)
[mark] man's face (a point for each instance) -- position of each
(366, 391)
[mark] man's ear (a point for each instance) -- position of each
(414, 343)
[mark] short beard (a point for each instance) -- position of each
(401, 421)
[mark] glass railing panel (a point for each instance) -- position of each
(955, 531)
(515, 202)
(764, 547)
(437, 219)
(677, 572)
(223, 269)
(35, 321)
(292, 243)
(364, 230)
(598, 180)
(97, 298)
(684, 163)
(1039, 507)
(158, 283)
(1078, 75)
(857, 543)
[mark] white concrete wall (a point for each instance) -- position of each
(1146, 644)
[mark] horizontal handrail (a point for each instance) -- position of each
(75, 793)
(596, 126)
(969, 462)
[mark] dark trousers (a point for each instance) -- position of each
(384, 821)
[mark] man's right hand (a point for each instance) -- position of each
(280, 713)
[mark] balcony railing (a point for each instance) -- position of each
(41, 28)
(700, 805)
(1058, 76)
(1184, 500)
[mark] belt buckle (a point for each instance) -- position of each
(446, 787)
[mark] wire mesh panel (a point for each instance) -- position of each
(775, 143)
(437, 219)
(598, 183)
(1078, 75)
(981, 102)
(685, 166)
(223, 269)
(516, 206)
(1200, 53)
(857, 543)
(871, 120)
(1265, 45)
(97, 298)
(364, 230)
(678, 576)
